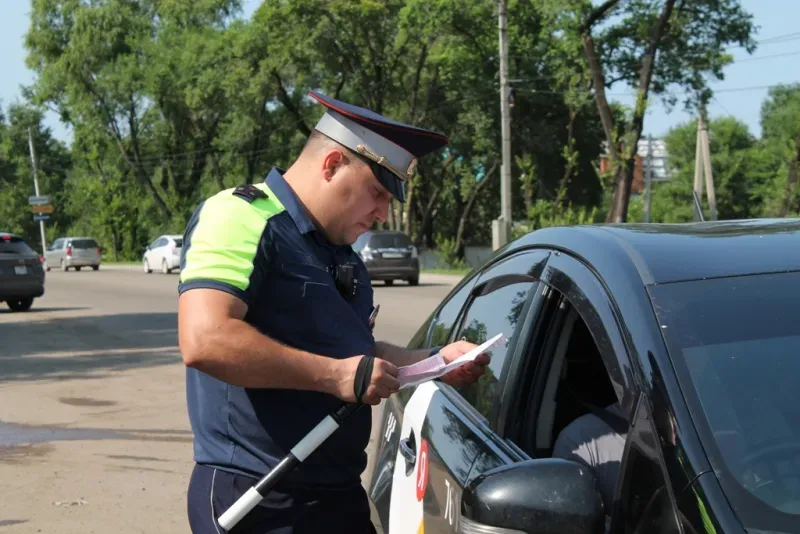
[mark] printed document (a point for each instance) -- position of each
(434, 367)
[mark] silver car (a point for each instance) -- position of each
(74, 252)
(21, 273)
(389, 256)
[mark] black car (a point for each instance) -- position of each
(692, 329)
(21, 273)
(389, 256)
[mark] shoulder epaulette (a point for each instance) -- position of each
(249, 192)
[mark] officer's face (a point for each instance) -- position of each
(362, 200)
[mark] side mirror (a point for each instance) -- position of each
(545, 496)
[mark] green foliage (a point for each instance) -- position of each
(547, 213)
(658, 48)
(170, 101)
(738, 177)
(448, 254)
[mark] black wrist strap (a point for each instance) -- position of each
(363, 376)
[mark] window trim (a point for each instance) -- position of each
(588, 295)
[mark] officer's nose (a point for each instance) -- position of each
(381, 212)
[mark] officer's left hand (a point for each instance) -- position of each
(467, 373)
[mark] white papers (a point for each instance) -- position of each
(434, 367)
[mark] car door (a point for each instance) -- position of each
(443, 430)
(152, 255)
(572, 293)
(433, 332)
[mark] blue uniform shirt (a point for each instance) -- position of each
(262, 247)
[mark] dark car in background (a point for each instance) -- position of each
(21, 273)
(690, 329)
(389, 256)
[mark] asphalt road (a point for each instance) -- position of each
(94, 435)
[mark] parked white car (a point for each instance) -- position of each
(164, 253)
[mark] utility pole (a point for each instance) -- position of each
(702, 166)
(698, 171)
(711, 192)
(36, 186)
(648, 179)
(501, 228)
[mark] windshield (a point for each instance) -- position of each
(736, 347)
(389, 241)
(16, 246)
(84, 243)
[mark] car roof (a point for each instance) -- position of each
(663, 253)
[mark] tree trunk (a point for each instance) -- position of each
(407, 206)
(570, 167)
(284, 98)
(462, 223)
(115, 241)
(426, 228)
(791, 180)
(218, 171)
(390, 216)
(623, 164)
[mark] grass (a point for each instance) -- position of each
(447, 271)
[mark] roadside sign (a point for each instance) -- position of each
(41, 217)
(40, 200)
(42, 209)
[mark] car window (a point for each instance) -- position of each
(15, 246)
(446, 318)
(389, 241)
(178, 242)
(84, 243)
(735, 344)
(494, 313)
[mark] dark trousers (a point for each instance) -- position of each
(295, 511)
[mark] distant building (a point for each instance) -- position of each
(658, 161)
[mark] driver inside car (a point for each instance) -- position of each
(597, 440)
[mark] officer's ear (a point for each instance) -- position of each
(333, 160)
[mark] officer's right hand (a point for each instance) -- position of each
(383, 382)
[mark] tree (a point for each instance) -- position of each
(653, 47)
(780, 121)
(131, 69)
(16, 172)
(742, 173)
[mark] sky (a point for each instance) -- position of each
(740, 94)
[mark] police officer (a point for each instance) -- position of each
(274, 322)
